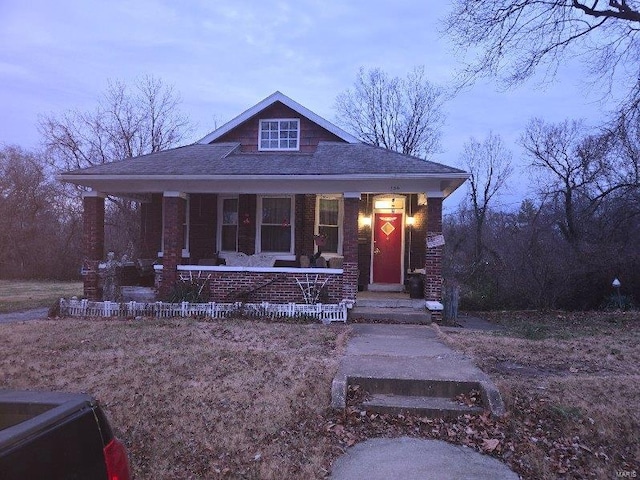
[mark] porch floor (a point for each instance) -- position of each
(372, 294)
(388, 300)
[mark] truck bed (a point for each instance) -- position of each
(56, 435)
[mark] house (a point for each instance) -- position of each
(275, 196)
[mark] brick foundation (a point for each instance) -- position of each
(273, 287)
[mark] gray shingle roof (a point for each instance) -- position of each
(330, 158)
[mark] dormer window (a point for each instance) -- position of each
(279, 134)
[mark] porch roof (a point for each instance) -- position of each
(221, 167)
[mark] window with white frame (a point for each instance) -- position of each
(276, 230)
(228, 224)
(279, 134)
(329, 222)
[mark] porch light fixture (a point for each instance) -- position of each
(411, 221)
(364, 221)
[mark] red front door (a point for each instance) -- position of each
(387, 247)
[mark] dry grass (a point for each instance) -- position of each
(575, 389)
(17, 295)
(231, 399)
(239, 399)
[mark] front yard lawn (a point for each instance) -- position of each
(249, 399)
(571, 382)
(16, 295)
(192, 400)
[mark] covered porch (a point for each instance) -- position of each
(263, 247)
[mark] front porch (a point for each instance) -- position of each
(376, 243)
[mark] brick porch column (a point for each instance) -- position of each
(433, 256)
(173, 211)
(93, 242)
(350, 246)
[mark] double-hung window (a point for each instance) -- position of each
(279, 134)
(229, 224)
(329, 223)
(276, 231)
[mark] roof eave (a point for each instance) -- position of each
(440, 185)
(288, 177)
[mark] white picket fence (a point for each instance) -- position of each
(326, 313)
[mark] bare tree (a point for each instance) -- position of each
(489, 165)
(404, 115)
(624, 153)
(36, 240)
(127, 122)
(573, 167)
(513, 39)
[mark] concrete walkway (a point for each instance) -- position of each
(410, 352)
(415, 459)
(36, 314)
(406, 352)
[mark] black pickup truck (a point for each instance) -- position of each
(57, 436)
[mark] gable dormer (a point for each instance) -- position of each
(278, 124)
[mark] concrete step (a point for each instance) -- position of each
(405, 302)
(432, 407)
(415, 387)
(407, 315)
(431, 398)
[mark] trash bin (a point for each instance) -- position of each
(416, 286)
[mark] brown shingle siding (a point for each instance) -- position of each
(247, 132)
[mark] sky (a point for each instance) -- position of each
(224, 56)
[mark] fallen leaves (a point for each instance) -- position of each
(536, 438)
(471, 399)
(490, 444)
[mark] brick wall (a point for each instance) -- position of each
(247, 132)
(273, 287)
(416, 235)
(305, 224)
(364, 243)
(203, 211)
(93, 243)
(174, 216)
(151, 227)
(350, 249)
(433, 257)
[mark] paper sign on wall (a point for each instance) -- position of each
(435, 241)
